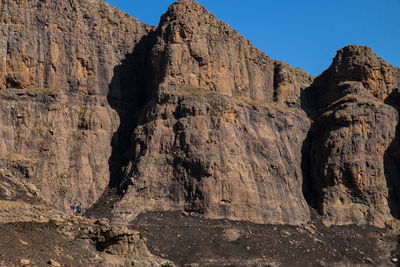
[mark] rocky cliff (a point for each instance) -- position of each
(353, 105)
(190, 116)
(57, 63)
(223, 130)
(233, 134)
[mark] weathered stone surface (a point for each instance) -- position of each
(57, 62)
(225, 157)
(190, 116)
(223, 133)
(352, 63)
(59, 239)
(194, 49)
(348, 142)
(60, 143)
(54, 263)
(64, 45)
(352, 131)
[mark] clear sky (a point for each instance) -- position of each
(305, 34)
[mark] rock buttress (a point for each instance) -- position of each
(223, 133)
(57, 60)
(353, 128)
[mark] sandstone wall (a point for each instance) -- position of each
(71, 45)
(58, 59)
(61, 143)
(194, 49)
(222, 134)
(353, 103)
(190, 116)
(219, 156)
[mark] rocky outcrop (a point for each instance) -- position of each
(223, 132)
(352, 131)
(72, 46)
(194, 49)
(220, 156)
(121, 246)
(44, 235)
(58, 59)
(190, 116)
(352, 63)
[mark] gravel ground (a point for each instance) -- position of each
(192, 240)
(39, 243)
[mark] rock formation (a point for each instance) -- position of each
(57, 62)
(190, 116)
(351, 132)
(223, 132)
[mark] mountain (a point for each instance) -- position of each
(189, 117)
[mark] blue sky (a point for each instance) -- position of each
(305, 34)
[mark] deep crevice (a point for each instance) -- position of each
(128, 94)
(276, 81)
(13, 83)
(392, 160)
(308, 187)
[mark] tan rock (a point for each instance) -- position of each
(24, 262)
(199, 51)
(55, 74)
(351, 166)
(189, 116)
(54, 263)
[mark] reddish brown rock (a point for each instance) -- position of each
(190, 116)
(57, 60)
(71, 46)
(352, 131)
(222, 135)
(194, 49)
(220, 156)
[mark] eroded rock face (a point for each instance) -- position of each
(190, 116)
(194, 49)
(349, 139)
(223, 133)
(57, 61)
(59, 142)
(64, 45)
(352, 63)
(220, 156)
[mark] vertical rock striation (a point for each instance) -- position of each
(351, 133)
(71, 46)
(194, 49)
(57, 60)
(222, 134)
(190, 116)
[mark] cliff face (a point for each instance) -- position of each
(194, 49)
(72, 46)
(57, 63)
(353, 103)
(190, 116)
(223, 132)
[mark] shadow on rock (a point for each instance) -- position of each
(308, 188)
(392, 160)
(128, 95)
